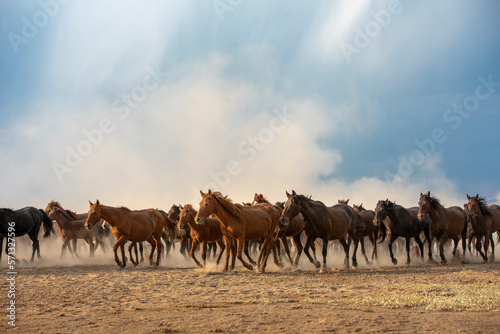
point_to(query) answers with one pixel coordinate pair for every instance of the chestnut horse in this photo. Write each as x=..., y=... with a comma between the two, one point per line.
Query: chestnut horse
x=446, y=223
x=204, y=233
x=73, y=229
x=241, y=223
x=371, y=230
x=127, y=225
x=484, y=221
x=326, y=223
x=402, y=223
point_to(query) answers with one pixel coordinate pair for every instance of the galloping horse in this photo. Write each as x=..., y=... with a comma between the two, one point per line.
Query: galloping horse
x=371, y=230
x=241, y=223
x=127, y=225
x=27, y=220
x=73, y=229
x=445, y=222
x=204, y=233
x=403, y=223
x=326, y=223
x=484, y=221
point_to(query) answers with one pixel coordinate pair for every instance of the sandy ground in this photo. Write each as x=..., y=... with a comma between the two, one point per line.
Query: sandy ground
x=84, y=295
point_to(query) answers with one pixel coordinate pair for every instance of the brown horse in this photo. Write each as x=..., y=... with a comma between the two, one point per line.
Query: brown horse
x=326, y=223
x=72, y=229
x=293, y=229
x=204, y=233
x=484, y=220
x=371, y=230
x=446, y=223
x=241, y=223
x=127, y=225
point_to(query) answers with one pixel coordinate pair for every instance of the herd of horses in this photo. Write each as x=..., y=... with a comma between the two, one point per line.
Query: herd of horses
x=236, y=228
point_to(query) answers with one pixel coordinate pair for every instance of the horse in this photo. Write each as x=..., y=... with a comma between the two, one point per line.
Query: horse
x=326, y=223
x=403, y=223
x=241, y=223
x=293, y=229
x=72, y=229
x=28, y=220
x=483, y=220
x=204, y=233
x=371, y=230
x=446, y=223
x=127, y=225
x=184, y=233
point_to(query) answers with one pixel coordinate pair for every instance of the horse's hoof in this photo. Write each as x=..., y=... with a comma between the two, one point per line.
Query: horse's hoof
x=355, y=264
x=250, y=267
x=394, y=261
x=407, y=263
x=317, y=264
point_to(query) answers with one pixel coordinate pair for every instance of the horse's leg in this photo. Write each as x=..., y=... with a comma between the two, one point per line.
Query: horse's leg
x=407, y=244
x=441, y=243
x=133, y=245
x=298, y=245
x=420, y=245
x=120, y=243
x=324, y=253
x=270, y=246
x=277, y=261
x=222, y=248
x=141, y=250
x=204, y=245
x=34, y=245
x=239, y=254
x=92, y=247
x=64, y=246
x=478, y=249
x=262, y=249
x=492, y=243
x=73, y=241
x=309, y=242
x=194, y=247
x=374, y=246
x=391, y=241
x=233, y=253
x=346, y=247
x=486, y=246
x=247, y=253
x=287, y=250
x=228, y=242
x=455, y=246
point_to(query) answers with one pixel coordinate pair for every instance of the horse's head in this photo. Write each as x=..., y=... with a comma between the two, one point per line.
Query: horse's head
x=473, y=207
x=207, y=206
x=343, y=201
x=94, y=215
x=259, y=198
x=187, y=214
x=292, y=209
x=358, y=208
x=174, y=212
x=424, y=205
x=381, y=211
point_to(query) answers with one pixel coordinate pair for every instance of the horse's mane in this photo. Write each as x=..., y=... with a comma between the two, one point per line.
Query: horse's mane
x=8, y=209
x=309, y=199
x=483, y=206
x=124, y=208
x=72, y=214
x=189, y=207
x=228, y=205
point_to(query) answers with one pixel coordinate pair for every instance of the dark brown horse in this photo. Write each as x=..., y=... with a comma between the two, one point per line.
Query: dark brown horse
x=484, y=220
x=371, y=230
x=72, y=229
x=402, y=223
x=446, y=223
x=204, y=233
x=293, y=229
x=241, y=223
x=326, y=223
x=127, y=225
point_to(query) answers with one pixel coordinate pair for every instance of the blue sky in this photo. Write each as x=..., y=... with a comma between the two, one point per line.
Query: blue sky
x=245, y=97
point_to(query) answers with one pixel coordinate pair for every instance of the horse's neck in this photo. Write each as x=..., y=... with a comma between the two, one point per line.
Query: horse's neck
x=111, y=215
x=307, y=207
x=224, y=216
x=437, y=213
x=395, y=214
x=191, y=221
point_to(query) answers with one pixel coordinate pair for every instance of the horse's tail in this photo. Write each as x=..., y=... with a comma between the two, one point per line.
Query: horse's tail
x=48, y=227
x=383, y=232
x=170, y=225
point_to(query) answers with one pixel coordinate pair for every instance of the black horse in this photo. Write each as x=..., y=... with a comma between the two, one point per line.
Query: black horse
x=403, y=223
x=27, y=220
x=326, y=223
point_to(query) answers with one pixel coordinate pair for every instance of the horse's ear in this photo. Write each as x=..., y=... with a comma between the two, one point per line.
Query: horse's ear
x=428, y=194
x=361, y=205
x=90, y=203
x=387, y=201
x=347, y=202
x=97, y=202
x=288, y=195
x=209, y=192
x=468, y=197
x=180, y=206
x=477, y=196
x=294, y=193
x=202, y=194
x=421, y=195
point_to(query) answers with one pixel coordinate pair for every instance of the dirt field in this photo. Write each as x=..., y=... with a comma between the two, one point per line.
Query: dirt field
x=94, y=296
